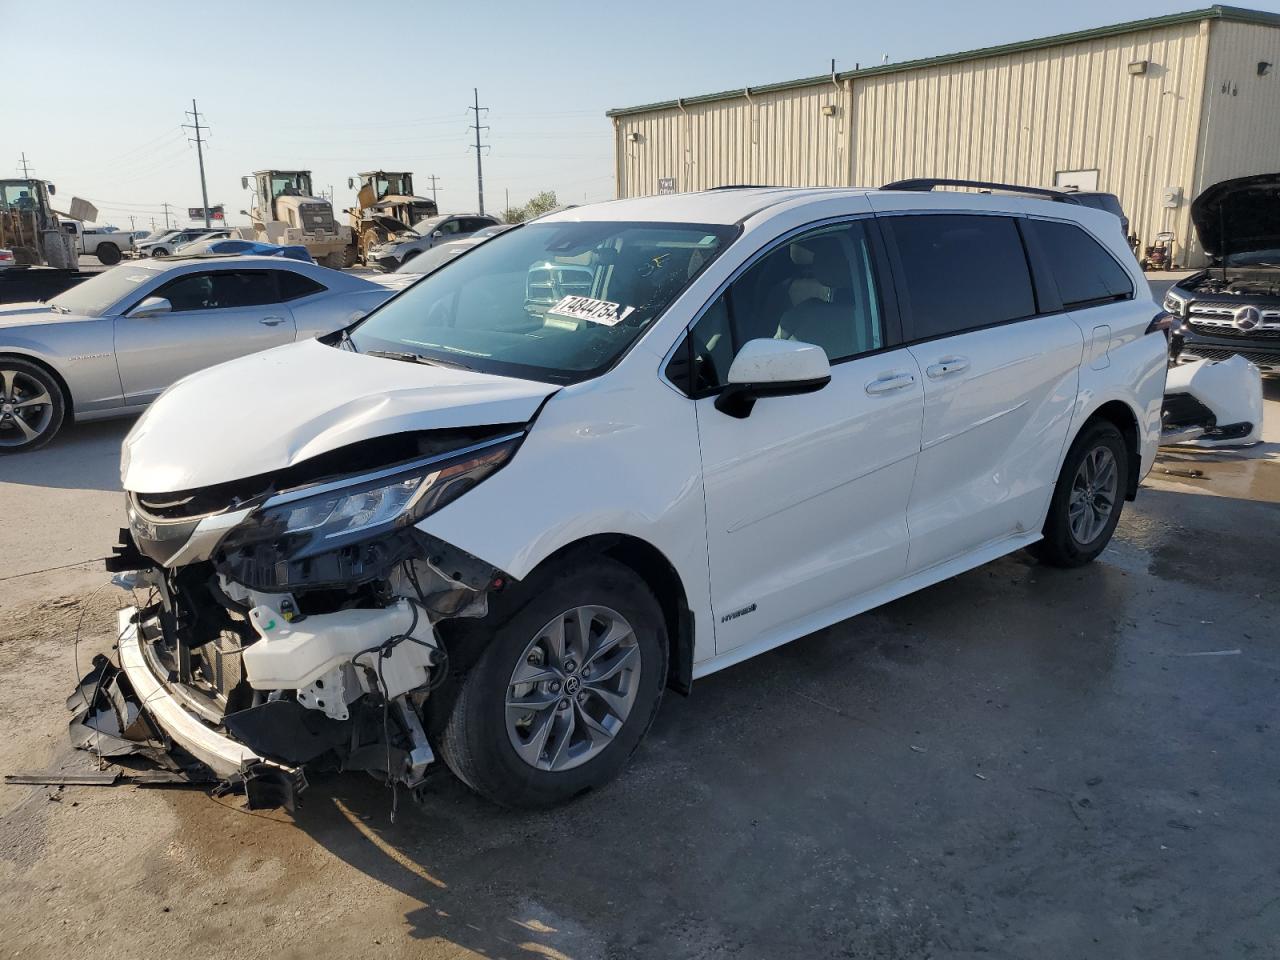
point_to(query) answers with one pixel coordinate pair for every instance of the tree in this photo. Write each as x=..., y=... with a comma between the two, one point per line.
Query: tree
x=544, y=202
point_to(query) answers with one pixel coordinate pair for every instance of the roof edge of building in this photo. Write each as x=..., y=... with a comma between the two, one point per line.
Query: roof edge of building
x=1216, y=12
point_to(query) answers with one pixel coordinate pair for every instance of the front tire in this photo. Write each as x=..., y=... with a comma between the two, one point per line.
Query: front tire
x=565, y=690
x=1088, y=498
x=108, y=254
x=32, y=406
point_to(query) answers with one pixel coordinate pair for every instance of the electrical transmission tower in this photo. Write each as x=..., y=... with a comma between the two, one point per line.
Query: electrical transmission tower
x=478, y=147
x=194, y=114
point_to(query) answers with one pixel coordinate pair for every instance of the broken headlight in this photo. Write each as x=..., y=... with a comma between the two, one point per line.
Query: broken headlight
x=319, y=519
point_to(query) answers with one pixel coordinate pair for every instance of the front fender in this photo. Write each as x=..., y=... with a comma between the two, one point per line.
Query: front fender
x=601, y=458
x=84, y=359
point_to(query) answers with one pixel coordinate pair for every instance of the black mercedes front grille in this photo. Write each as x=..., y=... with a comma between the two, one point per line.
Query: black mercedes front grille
x=1262, y=359
x=1207, y=330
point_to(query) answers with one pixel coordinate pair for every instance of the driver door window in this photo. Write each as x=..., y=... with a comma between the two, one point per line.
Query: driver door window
x=818, y=288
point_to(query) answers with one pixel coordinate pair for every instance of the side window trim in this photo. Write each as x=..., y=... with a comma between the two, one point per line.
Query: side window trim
x=891, y=319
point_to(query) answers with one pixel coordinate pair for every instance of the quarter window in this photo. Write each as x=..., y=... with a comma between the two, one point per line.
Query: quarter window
x=295, y=285
x=1086, y=273
x=960, y=272
x=818, y=288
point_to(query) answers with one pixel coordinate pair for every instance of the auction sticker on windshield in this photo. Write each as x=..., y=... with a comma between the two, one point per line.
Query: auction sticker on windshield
x=591, y=310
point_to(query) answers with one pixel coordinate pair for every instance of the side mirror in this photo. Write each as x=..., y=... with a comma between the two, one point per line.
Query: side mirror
x=438, y=235
x=351, y=183
x=52, y=189
x=151, y=307
x=244, y=183
x=244, y=213
x=772, y=368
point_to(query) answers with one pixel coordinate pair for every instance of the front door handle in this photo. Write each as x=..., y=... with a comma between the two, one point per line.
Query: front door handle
x=271, y=321
x=889, y=382
x=946, y=367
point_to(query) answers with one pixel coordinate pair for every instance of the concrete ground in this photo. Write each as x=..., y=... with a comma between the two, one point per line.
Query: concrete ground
x=1020, y=762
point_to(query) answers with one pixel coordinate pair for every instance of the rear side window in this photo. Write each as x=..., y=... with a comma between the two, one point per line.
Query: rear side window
x=295, y=285
x=1086, y=273
x=960, y=272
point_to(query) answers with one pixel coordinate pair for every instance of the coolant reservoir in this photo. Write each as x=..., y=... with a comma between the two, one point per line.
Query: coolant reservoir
x=293, y=655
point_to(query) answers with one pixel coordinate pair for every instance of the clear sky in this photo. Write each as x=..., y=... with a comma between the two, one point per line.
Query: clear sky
x=97, y=90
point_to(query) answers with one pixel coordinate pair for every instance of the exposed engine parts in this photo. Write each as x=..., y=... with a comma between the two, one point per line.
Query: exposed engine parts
x=310, y=673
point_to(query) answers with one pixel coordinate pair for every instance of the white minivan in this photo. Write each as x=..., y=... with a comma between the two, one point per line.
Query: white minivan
x=608, y=453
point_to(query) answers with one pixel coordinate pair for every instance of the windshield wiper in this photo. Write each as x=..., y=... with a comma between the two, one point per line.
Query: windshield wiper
x=415, y=358
x=395, y=355
x=58, y=308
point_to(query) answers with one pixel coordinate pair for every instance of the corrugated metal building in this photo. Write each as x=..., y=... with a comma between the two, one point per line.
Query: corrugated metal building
x=1151, y=110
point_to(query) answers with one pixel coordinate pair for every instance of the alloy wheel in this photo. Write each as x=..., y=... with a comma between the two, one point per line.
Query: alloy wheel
x=1093, y=495
x=573, y=688
x=26, y=408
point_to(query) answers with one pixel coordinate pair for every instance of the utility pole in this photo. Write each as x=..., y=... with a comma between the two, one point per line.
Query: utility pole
x=477, y=128
x=433, y=178
x=25, y=175
x=194, y=113
x=166, y=206
x=132, y=225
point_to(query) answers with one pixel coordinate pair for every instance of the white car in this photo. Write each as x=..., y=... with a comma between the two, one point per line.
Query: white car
x=404, y=246
x=611, y=452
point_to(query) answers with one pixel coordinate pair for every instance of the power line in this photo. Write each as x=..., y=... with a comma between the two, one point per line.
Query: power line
x=479, y=150
x=194, y=113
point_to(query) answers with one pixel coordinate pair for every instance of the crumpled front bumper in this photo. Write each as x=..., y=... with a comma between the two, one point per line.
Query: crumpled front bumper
x=141, y=715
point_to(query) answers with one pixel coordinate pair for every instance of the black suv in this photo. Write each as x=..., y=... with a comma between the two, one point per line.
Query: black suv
x=1234, y=306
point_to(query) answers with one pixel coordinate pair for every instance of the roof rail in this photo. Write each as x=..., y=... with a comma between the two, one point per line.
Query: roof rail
x=744, y=186
x=928, y=183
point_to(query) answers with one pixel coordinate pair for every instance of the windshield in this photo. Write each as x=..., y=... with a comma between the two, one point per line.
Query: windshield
x=290, y=185
x=423, y=228
x=21, y=195
x=557, y=302
x=95, y=296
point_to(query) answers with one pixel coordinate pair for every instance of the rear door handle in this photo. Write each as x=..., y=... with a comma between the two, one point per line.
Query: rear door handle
x=946, y=367
x=271, y=321
x=889, y=383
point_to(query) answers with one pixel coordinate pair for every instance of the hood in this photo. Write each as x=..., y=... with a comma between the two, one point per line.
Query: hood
x=271, y=410
x=30, y=313
x=1239, y=216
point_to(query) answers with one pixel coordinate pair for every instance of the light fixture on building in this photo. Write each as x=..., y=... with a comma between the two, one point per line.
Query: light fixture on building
x=633, y=136
x=1263, y=68
x=829, y=110
x=1139, y=67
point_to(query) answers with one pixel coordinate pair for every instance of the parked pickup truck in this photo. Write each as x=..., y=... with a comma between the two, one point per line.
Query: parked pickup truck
x=107, y=243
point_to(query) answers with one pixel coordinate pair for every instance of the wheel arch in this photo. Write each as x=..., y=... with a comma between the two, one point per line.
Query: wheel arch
x=68, y=402
x=1120, y=415
x=660, y=575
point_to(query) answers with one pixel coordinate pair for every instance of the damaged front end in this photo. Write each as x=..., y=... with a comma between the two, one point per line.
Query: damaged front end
x=291, y=620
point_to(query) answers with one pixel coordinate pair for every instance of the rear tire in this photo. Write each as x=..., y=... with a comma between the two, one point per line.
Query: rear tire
x=27, y=423
x=108, y=254
x=598, y=705
x=1088, y=498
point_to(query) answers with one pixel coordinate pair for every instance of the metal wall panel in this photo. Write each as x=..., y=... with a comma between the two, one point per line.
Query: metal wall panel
x=1240, y=125
x=776, y=138
x=1021, y=118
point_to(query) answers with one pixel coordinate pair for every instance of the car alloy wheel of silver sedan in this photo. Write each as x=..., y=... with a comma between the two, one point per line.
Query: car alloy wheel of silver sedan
x=26, y=409
x=573, y=688
x=1093, y=495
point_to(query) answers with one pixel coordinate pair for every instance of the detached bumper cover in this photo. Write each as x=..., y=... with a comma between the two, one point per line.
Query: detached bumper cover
x=127, y=710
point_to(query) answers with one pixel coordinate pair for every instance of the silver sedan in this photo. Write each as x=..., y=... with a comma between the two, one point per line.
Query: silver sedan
x=109, y=346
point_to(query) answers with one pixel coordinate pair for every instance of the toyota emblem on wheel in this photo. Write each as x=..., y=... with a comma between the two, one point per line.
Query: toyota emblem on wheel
x=1246, y=318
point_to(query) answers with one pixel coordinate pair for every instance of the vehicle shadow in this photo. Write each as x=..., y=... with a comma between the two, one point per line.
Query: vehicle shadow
x=758, y=803
x=83, y=456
